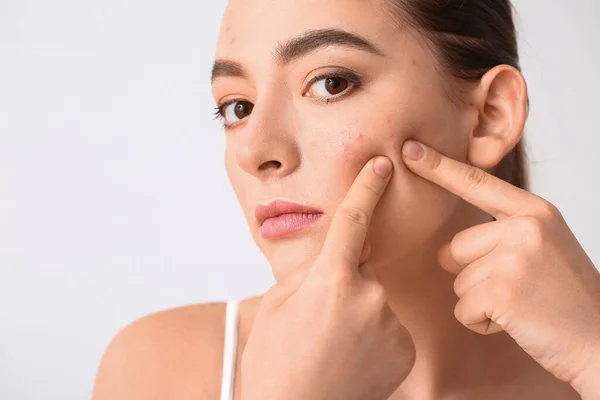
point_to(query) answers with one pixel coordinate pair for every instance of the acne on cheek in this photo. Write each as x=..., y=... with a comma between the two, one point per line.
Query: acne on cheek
x=352, y=141
x=358, y=146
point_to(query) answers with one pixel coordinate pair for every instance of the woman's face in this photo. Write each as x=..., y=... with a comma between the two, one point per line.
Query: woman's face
x=320, y=87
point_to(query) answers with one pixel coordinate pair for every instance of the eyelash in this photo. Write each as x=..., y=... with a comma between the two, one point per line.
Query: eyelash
x=218, y=111
x=354, y=82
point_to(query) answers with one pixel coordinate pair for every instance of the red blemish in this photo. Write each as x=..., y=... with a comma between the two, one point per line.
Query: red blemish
x=352, y=141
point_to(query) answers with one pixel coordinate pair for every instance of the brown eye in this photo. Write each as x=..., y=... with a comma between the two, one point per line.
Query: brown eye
x=235, y=110
x=331, y=87
x=335, y=85
x=243, y=109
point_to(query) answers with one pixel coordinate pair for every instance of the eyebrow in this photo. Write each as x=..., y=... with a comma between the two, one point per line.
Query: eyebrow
x=300, y=46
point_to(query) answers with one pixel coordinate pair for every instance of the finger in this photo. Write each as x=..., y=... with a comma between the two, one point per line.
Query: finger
x=474, y=274
x=284, y=289
x=347, y=233
x=291, y=279
x=474, y=311
x=447, y=260
x=470, y=245
x=485, y=191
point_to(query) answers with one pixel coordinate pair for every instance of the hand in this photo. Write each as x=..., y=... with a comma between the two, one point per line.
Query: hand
x=328, y=332
x=524, y=273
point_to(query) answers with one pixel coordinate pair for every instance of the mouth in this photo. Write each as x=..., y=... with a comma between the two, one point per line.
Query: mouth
x=281, y=218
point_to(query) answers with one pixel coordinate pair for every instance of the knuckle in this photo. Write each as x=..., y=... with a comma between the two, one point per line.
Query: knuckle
x=475, y=178
x=533, y=231
x=548, y=210
x=356, y=216
x=377, y=296
x=376, y=311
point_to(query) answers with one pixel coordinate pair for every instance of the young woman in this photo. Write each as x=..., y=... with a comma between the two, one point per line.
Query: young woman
x=375, y=148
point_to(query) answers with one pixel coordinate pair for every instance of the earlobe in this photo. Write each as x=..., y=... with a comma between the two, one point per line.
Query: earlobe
x=502, y=104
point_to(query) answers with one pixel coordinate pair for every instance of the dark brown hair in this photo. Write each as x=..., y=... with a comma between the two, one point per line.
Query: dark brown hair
x=468, y=38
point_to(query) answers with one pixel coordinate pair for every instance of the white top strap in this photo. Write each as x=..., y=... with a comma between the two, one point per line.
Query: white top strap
x=229, y=353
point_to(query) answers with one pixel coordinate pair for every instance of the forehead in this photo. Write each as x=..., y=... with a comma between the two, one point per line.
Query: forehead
x=254, y=27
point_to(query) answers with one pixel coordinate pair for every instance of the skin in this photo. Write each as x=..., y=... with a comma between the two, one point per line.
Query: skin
x=437, y=278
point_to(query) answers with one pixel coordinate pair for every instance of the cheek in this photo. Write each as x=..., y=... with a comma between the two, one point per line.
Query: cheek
x=357, y=147
x=233, y=172
x=241, y=184
x=352, y=141
x=412, y=210
x=443, y=128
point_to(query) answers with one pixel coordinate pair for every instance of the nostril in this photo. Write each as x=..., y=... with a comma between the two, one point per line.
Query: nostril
x=273, y=164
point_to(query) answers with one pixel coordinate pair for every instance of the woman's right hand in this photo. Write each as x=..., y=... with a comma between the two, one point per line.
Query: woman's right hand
x=328, y=332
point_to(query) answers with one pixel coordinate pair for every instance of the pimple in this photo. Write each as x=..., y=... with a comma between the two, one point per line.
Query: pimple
x=352, y=142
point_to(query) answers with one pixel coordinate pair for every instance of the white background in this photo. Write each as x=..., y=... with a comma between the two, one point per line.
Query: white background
x=114, y=202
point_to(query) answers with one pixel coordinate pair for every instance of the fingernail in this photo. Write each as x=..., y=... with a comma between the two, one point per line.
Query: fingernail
x=412, y=150
x=382, y=167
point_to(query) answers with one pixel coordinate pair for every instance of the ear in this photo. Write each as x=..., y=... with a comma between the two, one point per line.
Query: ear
x=501, y=101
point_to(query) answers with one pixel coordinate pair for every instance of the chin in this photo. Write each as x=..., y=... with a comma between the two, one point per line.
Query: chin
x=288, y=254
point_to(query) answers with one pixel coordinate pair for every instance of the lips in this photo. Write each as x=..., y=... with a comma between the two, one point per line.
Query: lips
x=280, y=218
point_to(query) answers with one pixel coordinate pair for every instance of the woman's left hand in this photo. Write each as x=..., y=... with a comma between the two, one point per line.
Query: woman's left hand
x=524, y=273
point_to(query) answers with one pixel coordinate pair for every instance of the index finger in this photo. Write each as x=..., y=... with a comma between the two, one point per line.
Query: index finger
x=348, y=231
x=485, y=191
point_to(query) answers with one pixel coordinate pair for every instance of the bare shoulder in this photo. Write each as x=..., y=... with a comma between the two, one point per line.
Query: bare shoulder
x=172, y=354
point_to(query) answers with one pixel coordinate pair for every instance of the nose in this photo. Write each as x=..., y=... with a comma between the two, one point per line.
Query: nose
x=268, y=149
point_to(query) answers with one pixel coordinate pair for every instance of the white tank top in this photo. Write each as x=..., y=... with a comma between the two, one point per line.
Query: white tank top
x=229, y=351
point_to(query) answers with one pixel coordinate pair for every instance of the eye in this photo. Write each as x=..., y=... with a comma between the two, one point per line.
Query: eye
x=333, y=85
x=234, y=111
x=328, y=86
